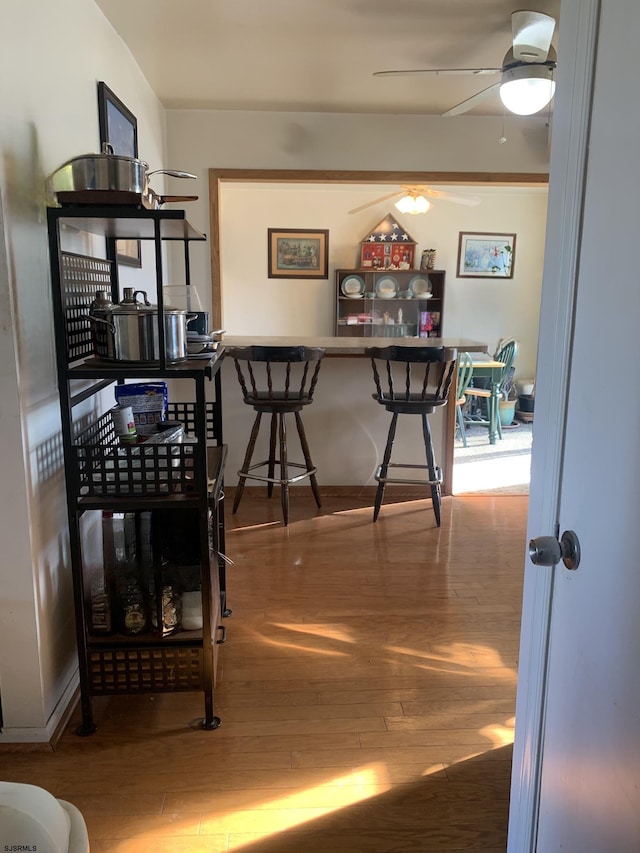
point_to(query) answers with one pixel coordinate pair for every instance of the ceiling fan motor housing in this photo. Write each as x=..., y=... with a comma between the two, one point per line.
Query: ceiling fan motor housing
x=511, y=61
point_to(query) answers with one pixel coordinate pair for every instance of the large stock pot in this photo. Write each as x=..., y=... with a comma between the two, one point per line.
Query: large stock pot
x=128, y=331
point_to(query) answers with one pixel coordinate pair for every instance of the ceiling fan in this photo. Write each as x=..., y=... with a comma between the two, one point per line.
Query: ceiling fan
x=526, y=84
x=415, y=199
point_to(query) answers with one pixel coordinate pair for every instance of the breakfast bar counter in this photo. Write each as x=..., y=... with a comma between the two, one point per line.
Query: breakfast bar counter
x=352, y=346
x=345, y=428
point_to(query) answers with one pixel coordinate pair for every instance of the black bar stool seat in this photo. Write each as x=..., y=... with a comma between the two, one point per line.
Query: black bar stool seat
x=278, y=381
x=411, y=381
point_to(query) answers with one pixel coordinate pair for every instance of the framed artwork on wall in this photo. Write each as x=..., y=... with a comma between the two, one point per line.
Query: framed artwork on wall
x=486, y=255
x=119, y=129
x=298, y=253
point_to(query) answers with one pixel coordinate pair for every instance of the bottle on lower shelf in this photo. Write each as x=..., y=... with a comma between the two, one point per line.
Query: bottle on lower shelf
x=171, y=609
x=100, y=619
x=192, y=610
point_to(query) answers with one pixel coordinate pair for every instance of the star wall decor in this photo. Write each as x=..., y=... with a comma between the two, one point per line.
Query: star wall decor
x=384, y=255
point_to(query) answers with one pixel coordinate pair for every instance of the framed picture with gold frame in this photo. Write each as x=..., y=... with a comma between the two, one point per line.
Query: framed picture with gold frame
x=298, y=253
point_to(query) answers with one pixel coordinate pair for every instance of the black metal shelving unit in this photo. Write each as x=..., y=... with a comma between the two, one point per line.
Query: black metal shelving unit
x=102, y=474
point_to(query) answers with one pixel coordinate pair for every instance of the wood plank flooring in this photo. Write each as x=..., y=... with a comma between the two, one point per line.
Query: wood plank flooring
x=367, y=693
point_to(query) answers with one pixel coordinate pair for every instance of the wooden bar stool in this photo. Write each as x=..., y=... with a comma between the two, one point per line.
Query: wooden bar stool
x=417, y=383
x=277, y=381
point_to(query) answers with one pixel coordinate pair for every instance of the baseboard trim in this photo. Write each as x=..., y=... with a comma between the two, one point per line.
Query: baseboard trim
x=45, y=738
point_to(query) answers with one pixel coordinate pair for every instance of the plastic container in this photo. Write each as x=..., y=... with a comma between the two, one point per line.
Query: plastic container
x=526, y=402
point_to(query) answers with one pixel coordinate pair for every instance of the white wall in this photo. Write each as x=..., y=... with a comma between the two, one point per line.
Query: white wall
x=51, y=57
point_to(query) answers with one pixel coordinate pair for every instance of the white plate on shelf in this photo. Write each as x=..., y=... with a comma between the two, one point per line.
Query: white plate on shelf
x=352, y=286
x=421, y=287
x=387, y=287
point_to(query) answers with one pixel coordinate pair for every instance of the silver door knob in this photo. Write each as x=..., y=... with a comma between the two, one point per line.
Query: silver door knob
x=548, y=551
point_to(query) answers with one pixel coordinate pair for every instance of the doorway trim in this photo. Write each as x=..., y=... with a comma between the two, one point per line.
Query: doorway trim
x=570, y=146
x=336, y=176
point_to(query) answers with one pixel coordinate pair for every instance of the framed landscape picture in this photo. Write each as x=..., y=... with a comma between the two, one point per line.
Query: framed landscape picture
x=486, y=255
x=296, y=253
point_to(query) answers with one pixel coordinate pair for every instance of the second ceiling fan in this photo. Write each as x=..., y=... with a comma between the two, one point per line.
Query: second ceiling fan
x=416, y=199
x=526, y=81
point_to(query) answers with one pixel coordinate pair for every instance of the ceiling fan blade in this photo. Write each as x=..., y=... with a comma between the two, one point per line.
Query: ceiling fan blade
x=532, y=34
x=445, y=195
x=478, y=72
x=465, y=106
x=376, y=201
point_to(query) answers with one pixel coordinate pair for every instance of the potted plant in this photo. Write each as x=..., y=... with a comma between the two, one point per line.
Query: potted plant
x=507, y=403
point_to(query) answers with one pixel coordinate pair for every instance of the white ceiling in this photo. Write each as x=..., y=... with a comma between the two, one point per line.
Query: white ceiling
x=317, y=55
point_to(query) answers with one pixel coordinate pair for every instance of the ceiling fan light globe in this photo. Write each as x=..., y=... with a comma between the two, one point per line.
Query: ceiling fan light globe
x=527, y=90
x=413, y=204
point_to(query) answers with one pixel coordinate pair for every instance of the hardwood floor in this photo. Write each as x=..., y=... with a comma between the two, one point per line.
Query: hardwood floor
x=366, y=690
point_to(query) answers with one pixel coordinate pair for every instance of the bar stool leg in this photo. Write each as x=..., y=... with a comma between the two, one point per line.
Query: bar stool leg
x=272, y=452
x=385, y=465
x=247, y=461
x=284, y=470
x=435, y=487
x=307, y=458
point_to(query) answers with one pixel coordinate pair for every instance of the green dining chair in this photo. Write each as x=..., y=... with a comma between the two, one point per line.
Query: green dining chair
x=465, y=372
x=507, y=354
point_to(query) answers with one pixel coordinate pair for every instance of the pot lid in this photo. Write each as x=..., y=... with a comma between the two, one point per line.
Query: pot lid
x=131, y=305
x=107, y=153
x=133, y=308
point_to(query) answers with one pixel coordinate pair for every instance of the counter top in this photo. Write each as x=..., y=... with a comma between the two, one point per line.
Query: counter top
x=351, y=346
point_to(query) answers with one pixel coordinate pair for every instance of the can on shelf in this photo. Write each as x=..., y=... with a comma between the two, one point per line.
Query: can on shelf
x=124, y=423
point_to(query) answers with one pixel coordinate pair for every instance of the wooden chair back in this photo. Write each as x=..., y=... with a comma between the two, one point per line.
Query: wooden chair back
x=412, y=379
x=465, y=373
x=276, y=378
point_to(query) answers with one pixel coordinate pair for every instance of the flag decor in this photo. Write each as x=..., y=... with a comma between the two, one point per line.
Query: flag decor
x=387, y=247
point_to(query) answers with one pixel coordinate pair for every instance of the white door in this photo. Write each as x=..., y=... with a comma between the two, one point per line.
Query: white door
x=576, y=781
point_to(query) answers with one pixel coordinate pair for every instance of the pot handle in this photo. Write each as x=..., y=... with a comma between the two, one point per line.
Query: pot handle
x=92, y=319
x=107, y=148
x=144, y=295
x=172, y=173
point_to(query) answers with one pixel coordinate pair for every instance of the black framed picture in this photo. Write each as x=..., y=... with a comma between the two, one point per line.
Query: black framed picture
x=119, y=128
x=483, y=255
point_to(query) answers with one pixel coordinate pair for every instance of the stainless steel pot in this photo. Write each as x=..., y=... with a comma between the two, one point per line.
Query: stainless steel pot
x=107, y=171
x=129, y=331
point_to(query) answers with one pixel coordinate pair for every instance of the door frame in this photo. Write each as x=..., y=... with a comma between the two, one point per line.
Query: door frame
x=569, y=160
x=335, y=176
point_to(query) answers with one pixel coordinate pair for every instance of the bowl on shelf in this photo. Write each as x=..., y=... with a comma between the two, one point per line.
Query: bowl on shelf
x=387, y=287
